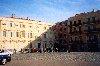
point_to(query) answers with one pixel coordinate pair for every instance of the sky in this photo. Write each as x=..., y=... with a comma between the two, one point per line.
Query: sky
x=50, y=11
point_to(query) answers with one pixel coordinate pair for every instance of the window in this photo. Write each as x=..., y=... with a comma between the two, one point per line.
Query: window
x=80, y=37
x=23, y=34
x=45, y=28
x=65, y=29
x=30, y=35
x=79, y=22
x=30, y=26
x=85, y=27
x=10, y=24
x=16, y=25
x=35, y=37
x=80, y=28
x=39, y=24
x=75, y=38
x=74, y=29
x=88, y=19
x=17, y=34
x=93, y=19
x=44, y=35
x=11, y=34
x=74, y=23
x=70, y=29
x=38, y=31
x=71, y=40
x=70, y=22
x=91, y=27
x=4, y=33
x=88, y=27
x=23, y=26
x=60, y=29
x=3, y=24
x=20, y=25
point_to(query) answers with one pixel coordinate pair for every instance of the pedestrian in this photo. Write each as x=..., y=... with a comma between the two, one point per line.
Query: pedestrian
x=15, y=51
x=21, y=50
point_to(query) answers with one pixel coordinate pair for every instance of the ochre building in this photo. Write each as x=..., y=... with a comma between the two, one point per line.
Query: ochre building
x=19, y=33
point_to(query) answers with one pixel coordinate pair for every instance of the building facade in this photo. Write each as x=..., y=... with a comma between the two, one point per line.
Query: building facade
x=83, y=31
x=60, y=32
x=19, y=33
x=79, y=33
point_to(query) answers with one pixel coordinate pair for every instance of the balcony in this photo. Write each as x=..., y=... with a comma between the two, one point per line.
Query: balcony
x=92, y=30
x=79, y=22
x=75, y=24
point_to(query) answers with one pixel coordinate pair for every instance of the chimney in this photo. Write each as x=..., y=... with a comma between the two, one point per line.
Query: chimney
x=13, y=16
x=93, y=10
x=27, y=18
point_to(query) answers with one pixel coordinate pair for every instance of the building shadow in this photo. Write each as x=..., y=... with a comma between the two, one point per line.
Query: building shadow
x=80, y=33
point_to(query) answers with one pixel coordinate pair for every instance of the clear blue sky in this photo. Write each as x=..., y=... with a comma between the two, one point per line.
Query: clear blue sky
x=47, y=10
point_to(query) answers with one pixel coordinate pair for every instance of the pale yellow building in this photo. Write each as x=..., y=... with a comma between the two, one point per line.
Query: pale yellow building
x=18, y=33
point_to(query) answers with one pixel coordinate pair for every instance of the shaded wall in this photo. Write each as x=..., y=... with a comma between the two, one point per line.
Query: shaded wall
x=79, y=33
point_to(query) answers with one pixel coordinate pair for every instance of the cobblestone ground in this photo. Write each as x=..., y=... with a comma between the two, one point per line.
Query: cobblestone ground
x=56, y=59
